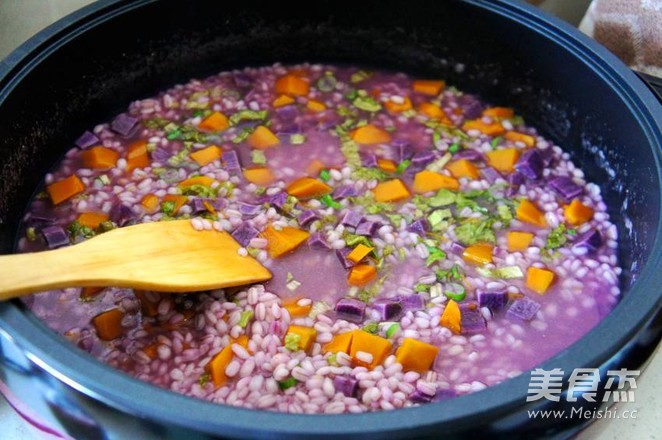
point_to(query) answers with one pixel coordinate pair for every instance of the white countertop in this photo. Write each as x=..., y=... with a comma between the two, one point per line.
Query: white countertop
x=19, y=19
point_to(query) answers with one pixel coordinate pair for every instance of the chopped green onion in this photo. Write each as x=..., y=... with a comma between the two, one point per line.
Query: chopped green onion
x=392, y=330
x=436, y=137
x=455, y=291
x=473, y=232
x=175, y=134
x=454, y=148
x=352, y=240
x=437, y=218
x=245, y=318
x=402, y=166
x=420, y=287
x=328, y=201
x=556, y=238
x=287, y=383
x=371, y=327
x=292, y=341
x=297, y=139
x=31, y=234
x=242, y=136
x=325, y=175
x=103, y=179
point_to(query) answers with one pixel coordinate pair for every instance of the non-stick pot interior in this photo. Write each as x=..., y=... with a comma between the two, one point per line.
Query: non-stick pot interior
x=90, y=70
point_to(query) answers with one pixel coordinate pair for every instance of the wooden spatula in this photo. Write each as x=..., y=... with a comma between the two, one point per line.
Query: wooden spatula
x=166, y=256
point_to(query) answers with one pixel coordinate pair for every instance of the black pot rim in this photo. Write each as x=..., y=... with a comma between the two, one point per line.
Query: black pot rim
x=103, y=383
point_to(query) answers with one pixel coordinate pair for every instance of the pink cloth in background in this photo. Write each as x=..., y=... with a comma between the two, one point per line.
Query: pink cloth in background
x=631, y=29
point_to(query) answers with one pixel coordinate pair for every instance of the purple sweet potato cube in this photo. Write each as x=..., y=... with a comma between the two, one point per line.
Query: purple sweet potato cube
x=124, y=124
x=347, y=385
x=565, y=187
x=351, y=219
x=530, y=164
x=55, y=236
x=367, y=228
x=87, y=140
x=317, y=241
x=472, y=320
x=342, y=257
x=524, y=309
x=244, y=233
x=307, y=217
x=350, y=309
x=388, y=309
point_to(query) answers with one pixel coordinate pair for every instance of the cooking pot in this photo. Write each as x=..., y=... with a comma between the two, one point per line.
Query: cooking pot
x=90, y=65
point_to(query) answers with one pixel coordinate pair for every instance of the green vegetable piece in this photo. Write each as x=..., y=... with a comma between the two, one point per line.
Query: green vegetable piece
x=420, y=287
x=175, y=134
x=505, y=213
x=31, y=234
x=247, y=115
x=402, y=166
x=326, y=83
x=367, y=103
x=325, y=175
x=455, y=291
x=297, y=139
x=371, y=327
x=292, y=341
x=328, y=201
x=245, y=318
x=435, y=255
x=472, y=232
x=556, y=238
x=106, y=226
x=454, y=148
x=444, y=197
x=333, y=360
x=242, y=135
x=508, y=272
x=258, y=157
x=496, y=142
x=392, y=330
x=438, y=219
x=204, y=379
x=360, y=76
x=287, y=383
x=440, y=163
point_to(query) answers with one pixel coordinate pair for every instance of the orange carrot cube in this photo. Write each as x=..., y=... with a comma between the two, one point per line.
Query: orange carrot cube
x=363, y=342
x=415, y=355
x=493, y=129
x=529, y=213
x=398, y=107
x=370, y=134
x=428, y=87
x=576, y=213
x=339, y=343
x=262, y=138
x=307, y=188
x=463, y=168
x=315, y=106
x=150, y=202
x=307, y=336
x=197, y=180
x=137, y=156
x=283, y=241
x=361, y=274
x=216, y=367
x=178, y=201
x=516, y=136
x=479, y=254
x=92, y=219
x=426, y=181
x=206, y=155
x=65, y=189
x=282, y=101
x=499, y=112
x=451, y=318
x=215, y=122
x=261, y=176
x=99, y=158
x=538, y=279
x=503, y=160
x=359, y=253
x=108, y=324
x=387, y=165
x=292, y=85
x=519, y=241
x=391, y=191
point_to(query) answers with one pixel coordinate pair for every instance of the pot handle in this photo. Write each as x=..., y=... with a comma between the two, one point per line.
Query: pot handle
x=654, y=83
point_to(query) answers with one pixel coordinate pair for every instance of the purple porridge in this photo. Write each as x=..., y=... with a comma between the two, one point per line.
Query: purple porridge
x=423, y=244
